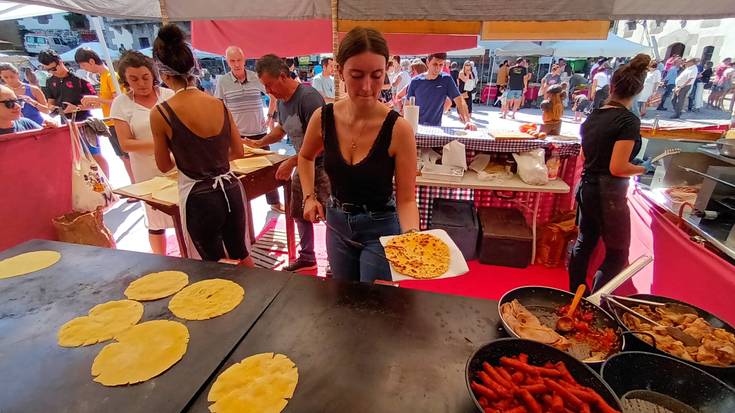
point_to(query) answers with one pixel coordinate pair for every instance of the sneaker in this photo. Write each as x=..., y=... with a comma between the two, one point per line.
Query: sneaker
x=300, y=265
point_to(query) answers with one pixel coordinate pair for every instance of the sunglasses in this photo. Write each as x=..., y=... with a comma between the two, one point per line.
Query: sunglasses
x=52, y=69
x=10, y=104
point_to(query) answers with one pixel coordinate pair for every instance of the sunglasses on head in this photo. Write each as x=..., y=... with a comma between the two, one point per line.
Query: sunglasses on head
x=10, y=103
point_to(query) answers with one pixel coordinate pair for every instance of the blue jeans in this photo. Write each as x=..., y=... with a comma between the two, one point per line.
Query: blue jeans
x=350, y=263
x=306, y=244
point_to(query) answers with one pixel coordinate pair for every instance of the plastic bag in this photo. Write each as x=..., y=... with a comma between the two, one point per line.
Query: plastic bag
x=553, y=239
x=494, y=173
x=532, y=167
x=454, y=154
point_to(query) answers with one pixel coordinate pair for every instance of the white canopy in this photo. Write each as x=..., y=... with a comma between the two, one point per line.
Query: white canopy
x=198, y=54
x=516, y=48
x=96, y=46
x=475, y=51
x=12, y=11
x=614, y=46
x=461, y=10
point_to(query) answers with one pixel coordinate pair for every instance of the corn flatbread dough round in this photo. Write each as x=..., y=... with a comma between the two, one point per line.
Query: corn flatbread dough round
x=27, y=263
x=141, y=353
x=258, y=384
x=206, y=299
x=418, y=255
x=103, y=322
x=156, y=285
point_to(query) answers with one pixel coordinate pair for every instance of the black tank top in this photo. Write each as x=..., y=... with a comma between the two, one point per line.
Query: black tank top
x=369, y=182
x=198, y=158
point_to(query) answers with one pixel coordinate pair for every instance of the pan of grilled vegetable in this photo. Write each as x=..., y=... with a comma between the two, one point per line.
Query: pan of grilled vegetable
x=678, y=329
x=542, y=314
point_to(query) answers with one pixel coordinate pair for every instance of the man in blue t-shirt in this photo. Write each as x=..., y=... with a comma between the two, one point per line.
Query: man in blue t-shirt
x=431, y=89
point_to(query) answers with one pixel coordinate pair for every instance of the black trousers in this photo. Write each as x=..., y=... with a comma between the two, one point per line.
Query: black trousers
x=272, y=197
x=212, y=225
x=602, y=212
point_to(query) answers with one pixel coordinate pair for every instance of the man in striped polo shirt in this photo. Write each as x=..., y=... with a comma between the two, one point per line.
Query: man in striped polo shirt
x=242, y=92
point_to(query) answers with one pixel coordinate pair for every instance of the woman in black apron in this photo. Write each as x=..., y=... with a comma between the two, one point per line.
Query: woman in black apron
x=611, y=138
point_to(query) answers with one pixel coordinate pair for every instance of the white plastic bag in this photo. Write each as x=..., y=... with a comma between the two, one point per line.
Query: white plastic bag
x=532, y=167
x=89, y=186
x=454, y=154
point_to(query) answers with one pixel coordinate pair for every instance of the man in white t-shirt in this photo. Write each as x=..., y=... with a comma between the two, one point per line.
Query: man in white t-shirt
x=683, y=85
x=324, y=82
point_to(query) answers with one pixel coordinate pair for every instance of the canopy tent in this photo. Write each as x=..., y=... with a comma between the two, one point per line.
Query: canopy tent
x=12, y=11
x=517, y=49
x=297, y=38
x=475, y=51
x=407, y=10
x=613, y=46
x=95, y=46
x=198, y=54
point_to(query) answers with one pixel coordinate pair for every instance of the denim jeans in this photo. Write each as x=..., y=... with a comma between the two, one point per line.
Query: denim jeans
x=667, y=93
x=350, y=263
x=306, y=243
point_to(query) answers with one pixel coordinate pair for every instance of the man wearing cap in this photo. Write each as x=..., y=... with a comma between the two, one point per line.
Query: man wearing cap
x=682, y=86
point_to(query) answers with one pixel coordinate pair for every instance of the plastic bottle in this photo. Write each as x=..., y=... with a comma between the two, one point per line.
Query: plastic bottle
x=554, y=163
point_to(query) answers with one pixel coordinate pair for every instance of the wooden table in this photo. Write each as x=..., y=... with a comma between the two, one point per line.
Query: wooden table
x=256, y=183
x=471, y=181
x=358, y=347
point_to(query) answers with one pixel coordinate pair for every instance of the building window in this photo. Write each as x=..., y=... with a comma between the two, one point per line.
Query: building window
x=144, y=42
x=707, y=53
x=43, y=19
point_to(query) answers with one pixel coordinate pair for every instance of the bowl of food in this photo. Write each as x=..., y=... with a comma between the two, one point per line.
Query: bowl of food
x=647, y=382
x=532, y=313
x=517, y=375
x=715, y=353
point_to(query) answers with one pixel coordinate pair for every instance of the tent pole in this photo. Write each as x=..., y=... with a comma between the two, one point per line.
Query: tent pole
x=97, y=21
x=335, y=47
x=164, y=12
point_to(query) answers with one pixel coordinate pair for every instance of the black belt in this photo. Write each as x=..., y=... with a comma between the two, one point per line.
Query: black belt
x=351, y=208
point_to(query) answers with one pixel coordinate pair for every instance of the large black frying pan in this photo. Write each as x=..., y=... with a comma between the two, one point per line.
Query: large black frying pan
x=726, y=374
x=538, y=354
x=659, y=379
x=543, y=303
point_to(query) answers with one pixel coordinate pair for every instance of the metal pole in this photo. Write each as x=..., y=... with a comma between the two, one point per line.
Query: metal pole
x=335, y=47
x=164, y=12
x=97, y=21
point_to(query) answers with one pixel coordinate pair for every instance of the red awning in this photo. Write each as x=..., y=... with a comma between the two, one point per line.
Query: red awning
x=304, y=37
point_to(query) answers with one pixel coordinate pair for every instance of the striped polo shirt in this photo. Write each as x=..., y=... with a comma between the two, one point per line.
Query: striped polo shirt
x=244, y=100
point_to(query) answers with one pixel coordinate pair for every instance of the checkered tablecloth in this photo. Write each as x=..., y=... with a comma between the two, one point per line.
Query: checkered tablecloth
x=549, y=204
x=438, y=136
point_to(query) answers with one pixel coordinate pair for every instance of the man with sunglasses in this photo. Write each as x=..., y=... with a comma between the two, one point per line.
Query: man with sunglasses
x=65, y=91
x=10, y=113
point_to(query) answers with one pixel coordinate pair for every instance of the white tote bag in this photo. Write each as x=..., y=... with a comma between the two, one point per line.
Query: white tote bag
x=89, y=186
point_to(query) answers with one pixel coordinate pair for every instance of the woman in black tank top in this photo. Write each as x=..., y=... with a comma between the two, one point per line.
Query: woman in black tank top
x=210, y=197
x=366, y=145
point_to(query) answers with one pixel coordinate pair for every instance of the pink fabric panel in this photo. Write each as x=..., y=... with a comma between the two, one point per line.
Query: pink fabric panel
x=303, y=37
x=35, y=169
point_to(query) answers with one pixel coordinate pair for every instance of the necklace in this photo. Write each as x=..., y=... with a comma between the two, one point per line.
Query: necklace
x=185, y=88
x=353, y=144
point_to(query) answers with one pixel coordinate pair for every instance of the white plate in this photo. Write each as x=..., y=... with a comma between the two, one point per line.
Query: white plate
x=457, y=264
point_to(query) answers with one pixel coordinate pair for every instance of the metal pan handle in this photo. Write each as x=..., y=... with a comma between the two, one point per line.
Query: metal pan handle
x=619, y=279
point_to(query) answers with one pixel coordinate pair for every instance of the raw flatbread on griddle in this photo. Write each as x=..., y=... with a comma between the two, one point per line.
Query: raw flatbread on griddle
x=418, y=255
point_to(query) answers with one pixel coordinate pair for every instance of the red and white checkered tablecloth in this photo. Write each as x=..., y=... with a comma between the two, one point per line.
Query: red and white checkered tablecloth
x=549, y=204
x=438, y=136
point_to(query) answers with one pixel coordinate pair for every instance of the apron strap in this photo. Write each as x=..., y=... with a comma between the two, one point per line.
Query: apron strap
x=218, y=181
